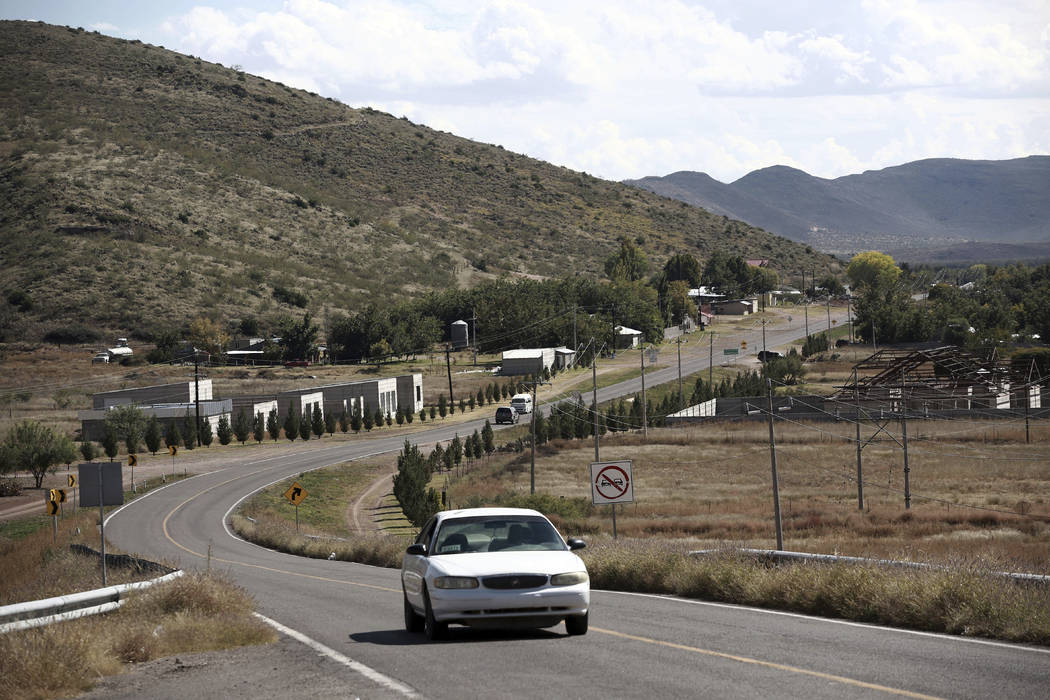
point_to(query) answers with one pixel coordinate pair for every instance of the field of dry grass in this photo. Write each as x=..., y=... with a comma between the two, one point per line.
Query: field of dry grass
x=978, y=491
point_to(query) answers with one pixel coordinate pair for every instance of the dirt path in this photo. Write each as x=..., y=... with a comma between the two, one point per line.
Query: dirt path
x=366, y=509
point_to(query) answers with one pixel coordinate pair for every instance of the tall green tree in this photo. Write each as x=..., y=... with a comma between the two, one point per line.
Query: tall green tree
x=242, y=427
x=305, y=425
x=273, y=424
x=36, y=448
x=488, y=438
x=110, y=442
x=628, y=263
x=224, y=431
x=152, y=436
x=317, y=422
x=88, y=451
x=205, y=431
x=259, y=427
x=190, y=430
x=291, y=422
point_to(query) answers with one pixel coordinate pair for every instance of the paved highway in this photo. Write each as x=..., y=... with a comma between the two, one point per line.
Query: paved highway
x=638, y=645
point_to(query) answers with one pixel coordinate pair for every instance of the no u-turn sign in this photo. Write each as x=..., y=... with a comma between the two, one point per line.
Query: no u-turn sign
x=611, y=482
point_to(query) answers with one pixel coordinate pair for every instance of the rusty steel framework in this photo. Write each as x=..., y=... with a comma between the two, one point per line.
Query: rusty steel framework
x=944, y=377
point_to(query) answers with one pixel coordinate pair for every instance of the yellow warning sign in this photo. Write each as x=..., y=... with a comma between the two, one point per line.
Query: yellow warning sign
x=295, y=494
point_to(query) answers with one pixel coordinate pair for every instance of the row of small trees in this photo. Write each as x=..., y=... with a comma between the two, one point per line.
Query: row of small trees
x=419, y=501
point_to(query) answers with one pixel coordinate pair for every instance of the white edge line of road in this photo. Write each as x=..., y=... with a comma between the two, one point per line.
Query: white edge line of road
x=847, y=623
x=366, y=671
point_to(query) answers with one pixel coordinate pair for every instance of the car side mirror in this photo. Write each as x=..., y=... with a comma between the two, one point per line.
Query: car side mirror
x=418, y=548
x=575, y=543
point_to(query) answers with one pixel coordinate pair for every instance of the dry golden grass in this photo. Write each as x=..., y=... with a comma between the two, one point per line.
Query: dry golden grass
x=196, y=612
x=976, y=488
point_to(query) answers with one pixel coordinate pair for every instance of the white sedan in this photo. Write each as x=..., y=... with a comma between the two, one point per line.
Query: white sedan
x=493, y=567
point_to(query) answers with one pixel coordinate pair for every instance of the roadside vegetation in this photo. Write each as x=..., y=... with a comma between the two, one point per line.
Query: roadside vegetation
x=200, y=611
x=708, y=488
x=195, y=612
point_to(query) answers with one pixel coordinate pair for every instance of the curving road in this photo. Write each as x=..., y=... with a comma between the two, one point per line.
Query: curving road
x=638, y=645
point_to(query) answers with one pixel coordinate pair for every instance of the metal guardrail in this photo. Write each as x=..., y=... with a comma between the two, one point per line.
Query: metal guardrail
x=781, y=555
x=36, y=613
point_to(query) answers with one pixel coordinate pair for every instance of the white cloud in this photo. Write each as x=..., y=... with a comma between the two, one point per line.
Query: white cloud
x=622, y=90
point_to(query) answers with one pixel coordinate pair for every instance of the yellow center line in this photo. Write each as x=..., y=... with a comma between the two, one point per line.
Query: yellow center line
x=167, y=535
x=623, y=635
x=768, y=664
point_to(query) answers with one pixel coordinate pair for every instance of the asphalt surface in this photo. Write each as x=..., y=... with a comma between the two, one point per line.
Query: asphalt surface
x=638, y=645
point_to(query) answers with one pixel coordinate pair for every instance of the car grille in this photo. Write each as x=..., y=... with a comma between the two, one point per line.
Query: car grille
x=512, y=582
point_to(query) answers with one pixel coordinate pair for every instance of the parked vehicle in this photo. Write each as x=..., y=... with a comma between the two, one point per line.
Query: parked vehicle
x=506, y=414
x=493, y=567
x=522, y=403
x=102, y=357
x=767, y=355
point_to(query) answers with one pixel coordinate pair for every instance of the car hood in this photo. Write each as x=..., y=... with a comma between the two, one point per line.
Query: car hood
x=491, y=563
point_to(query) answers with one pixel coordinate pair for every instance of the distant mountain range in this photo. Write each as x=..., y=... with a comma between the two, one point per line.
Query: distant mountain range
x=928, y=209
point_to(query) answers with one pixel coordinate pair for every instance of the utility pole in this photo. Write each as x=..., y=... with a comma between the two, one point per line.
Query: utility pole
x=681, y=396
x=532, y=468
x=829, y=321
x=711, y=360
x=448, y=365
x=645, y=419
x=763, y=337
x=197, y=395
x=474, y=329
x=849, y=315
x=904, y=436
x=860, y=471
x=773, y=463
x=575, y=346
x=594, y=393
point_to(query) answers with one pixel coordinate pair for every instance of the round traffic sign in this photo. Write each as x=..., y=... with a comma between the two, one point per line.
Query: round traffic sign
x=612, y=482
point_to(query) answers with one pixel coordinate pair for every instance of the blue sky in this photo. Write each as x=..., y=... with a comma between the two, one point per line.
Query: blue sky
x=622, y=89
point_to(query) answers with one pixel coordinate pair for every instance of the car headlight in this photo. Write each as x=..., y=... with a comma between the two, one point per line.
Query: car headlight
x=569, y=579
x=456, y=582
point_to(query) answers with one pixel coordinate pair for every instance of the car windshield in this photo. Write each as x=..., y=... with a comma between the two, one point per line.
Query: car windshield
x=518, y=533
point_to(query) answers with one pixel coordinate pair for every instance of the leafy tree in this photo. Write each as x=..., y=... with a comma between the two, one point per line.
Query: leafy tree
x=242, y=427
x=224, y=432
x=422, y=415
x=872, y=269
x=152, y=436
x=317, y=423
x=679, y=303
x=409, y=416
x=442, y=406
x=379, y=418
x=400, y=416
x=206, y=335
x=344, y=422
x=305, y=425
x=479, y=400
x=36, y=448
x=785, y=370
x=88, y=451
x=433, y=413
x=684, y=267
x=628, y=263
x=462, y=406
x=110, y=442
x=368, y=417
x=259, y=427
x=329, y=423
x=291, y=423
x=471, y=403
x=832, y=285
x=129, y=424
x=298, y=338
x=273, y=424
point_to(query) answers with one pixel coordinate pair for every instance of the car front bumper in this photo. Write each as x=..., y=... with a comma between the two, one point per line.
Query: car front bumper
x=541, y=607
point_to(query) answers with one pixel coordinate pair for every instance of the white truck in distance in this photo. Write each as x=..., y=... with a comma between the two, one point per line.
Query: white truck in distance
x=522, y=403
